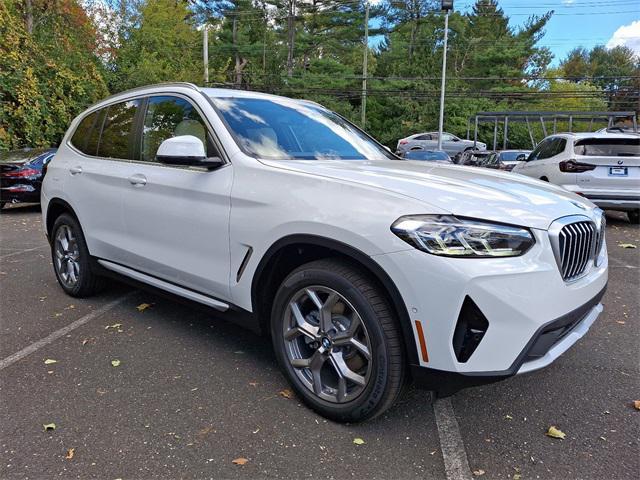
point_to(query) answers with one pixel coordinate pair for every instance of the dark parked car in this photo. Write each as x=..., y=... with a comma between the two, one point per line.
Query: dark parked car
x=505, y=160
x=21, y=174
x=427, y=155
x=474, y=158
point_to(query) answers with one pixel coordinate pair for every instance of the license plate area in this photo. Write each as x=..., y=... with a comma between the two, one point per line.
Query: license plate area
x=618, y=171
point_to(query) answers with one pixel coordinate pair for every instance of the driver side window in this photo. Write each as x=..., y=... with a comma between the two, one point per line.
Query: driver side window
x=168, y=117
x=538, y=152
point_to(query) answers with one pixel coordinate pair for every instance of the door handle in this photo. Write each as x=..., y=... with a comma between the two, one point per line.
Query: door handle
x=75, y=170
x=138, y=180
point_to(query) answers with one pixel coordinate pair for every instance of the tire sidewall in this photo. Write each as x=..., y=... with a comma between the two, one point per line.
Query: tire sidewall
x=365, y=404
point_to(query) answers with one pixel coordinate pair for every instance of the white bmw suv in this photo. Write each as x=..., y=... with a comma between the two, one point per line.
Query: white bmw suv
x=603, y=167
x=365, y=269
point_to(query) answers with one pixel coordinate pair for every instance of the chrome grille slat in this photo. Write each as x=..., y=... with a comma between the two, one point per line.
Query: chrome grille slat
x=576, y=246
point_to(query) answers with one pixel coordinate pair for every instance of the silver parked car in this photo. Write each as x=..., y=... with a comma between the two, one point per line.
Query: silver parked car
x=454, y=146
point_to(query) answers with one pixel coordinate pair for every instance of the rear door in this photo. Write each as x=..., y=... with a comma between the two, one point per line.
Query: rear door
x=177, y=218
x=102, y=146
x=616, y=163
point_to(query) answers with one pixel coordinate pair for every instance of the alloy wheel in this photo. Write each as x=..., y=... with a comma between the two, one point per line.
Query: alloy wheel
x=67, y=256
x=327, y=344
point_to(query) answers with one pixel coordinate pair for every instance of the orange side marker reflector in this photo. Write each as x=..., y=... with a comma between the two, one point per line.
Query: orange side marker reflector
x=423, y=344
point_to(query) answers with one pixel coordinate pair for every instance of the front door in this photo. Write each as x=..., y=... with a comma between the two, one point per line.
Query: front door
x=177, y=218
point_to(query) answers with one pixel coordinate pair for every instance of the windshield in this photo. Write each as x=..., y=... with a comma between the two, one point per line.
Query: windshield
x=282, y=129
x=512, y=156
x=608, y=147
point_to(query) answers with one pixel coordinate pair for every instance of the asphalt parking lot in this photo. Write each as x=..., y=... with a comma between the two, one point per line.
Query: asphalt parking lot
x=191, y=393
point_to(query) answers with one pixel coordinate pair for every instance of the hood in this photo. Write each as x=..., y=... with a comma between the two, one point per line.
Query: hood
x=463, y=191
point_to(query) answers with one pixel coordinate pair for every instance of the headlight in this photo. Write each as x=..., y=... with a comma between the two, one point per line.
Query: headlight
x=451, y=236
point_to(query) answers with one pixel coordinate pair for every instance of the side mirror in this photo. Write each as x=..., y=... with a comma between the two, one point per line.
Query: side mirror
x=186, y=150
x=455, y=139
x=521, y=158
x=387, y=149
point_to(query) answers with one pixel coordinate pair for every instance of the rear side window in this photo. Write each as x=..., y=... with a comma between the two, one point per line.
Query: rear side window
x=115, y=141
x=88, y=128
x=608, y=147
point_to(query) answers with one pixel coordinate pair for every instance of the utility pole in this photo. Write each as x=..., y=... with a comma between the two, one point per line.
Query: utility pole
x=365, y=61
x=446, y=6
x=291, y=36
x=205, y=53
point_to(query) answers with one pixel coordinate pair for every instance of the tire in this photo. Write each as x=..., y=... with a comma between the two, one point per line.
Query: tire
x=634, y=216
x=1, y=205
x=78, y=280
x=367, y=386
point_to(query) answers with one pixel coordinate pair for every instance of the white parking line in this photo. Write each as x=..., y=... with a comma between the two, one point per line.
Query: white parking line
x=456, y=465
x=7, y=255
x=620, y=263
x=11, y=359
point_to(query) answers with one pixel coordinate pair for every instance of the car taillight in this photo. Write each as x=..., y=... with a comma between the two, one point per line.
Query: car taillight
x=403, y=142
x=571, y=166
x=23, y=173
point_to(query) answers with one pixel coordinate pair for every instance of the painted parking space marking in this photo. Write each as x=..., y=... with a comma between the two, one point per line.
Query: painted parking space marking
x=20, y=252
x=11, y=359
x=456, y=464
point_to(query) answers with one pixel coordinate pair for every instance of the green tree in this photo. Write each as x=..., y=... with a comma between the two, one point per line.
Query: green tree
x=48, y=70
x=162, y=45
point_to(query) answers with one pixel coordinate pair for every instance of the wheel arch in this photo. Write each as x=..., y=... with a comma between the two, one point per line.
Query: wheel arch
x=55, y=208
x=289, y=252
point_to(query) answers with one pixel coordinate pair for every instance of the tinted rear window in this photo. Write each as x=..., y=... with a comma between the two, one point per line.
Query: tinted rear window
x=608, y=147
x=83, y=131
x=115, y=140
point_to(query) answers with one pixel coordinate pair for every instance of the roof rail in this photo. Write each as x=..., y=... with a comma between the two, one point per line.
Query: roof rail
x=144, y=87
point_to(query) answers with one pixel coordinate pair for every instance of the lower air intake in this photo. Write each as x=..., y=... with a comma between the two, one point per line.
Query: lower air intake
x=471, y=327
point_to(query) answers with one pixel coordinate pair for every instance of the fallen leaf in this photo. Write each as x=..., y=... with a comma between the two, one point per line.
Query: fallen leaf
x=517, y=476
x=50, y=361
x=115, y=363
x=620, y=322
x=508, y=417
x=479, y=472
x=253, y=384
x=143, y=306
x=49, y=426
x=627, y=245
x=358, y=441
x=636, y=404
x=286, y=393
x=115, y=325
x=553, y=432
x=70, y=453
x=239, y=461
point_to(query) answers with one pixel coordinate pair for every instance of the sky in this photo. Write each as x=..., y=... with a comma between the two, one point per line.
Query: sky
x=578, y=22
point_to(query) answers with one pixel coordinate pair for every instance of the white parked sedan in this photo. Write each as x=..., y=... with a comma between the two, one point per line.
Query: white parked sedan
x=603, y=167
x=365, y=269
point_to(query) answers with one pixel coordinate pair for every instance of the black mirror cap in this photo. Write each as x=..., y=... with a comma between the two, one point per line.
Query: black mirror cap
x=209, y=163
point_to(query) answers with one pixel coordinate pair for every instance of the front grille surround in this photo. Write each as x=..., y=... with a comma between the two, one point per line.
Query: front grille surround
x=576, y=242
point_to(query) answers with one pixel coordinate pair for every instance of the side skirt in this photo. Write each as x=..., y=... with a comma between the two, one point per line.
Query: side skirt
x=195, y=300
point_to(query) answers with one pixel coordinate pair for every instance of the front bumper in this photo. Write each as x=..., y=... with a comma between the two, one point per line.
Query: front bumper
x=533, y=314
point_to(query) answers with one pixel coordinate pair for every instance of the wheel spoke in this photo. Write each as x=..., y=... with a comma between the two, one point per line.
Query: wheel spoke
x=317, y=361
x=361, y=347
x=302, y=326
x=326, y=323
x=314, y=298
x=337, y=360
x=342, y=389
